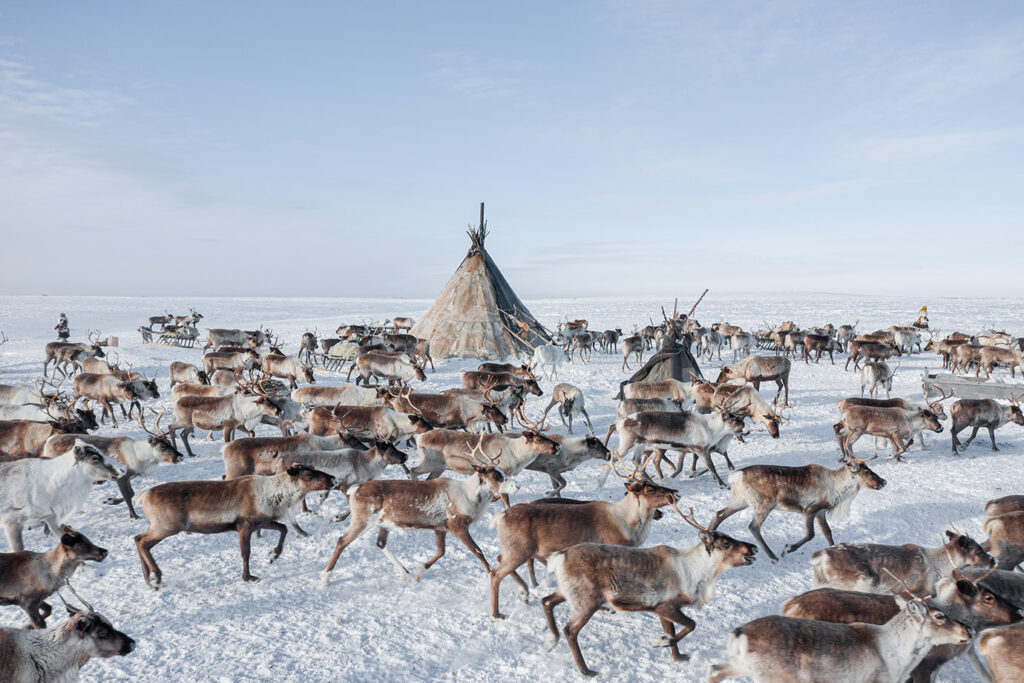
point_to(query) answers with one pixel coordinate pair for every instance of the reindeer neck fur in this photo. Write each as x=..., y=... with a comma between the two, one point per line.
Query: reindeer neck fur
x=937, y=565
x=469, y=496
x=60, y=563
x=632, y=517
x=67, y=484
x=276, y=495
x=58, y=651
x=902, y=645
x=842, y=488
x=698, y=573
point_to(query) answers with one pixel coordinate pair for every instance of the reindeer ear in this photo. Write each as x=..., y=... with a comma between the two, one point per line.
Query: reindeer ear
x=706, y=538
x=966, y=587
x=917, y=610
x=950, y=534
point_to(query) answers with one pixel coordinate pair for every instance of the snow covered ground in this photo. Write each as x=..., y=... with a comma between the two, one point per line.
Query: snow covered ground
x=205, y=624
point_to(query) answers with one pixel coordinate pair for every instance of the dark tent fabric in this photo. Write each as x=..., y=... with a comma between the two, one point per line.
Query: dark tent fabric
x=672, y=361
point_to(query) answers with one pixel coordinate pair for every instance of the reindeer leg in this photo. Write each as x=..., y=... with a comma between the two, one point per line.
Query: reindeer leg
x=809, y=527
x=382, y=543
x=734, y=506
x=532, y=573
x=283, y=531
x=826, y=530
x=572, y=630
x=461, y=532
x=558, y=483
x=671, y=615
x=755, y=529
x=549, y=602
x=706, y=457
x=992, y=436
x=439, y=536
x=245, y=545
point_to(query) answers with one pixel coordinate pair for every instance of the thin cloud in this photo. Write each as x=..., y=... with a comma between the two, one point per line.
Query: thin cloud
x=25, y=96
x=468, y=74
x=919, y=147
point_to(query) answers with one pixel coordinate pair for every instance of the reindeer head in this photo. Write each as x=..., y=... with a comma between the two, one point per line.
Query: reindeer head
x=730, y=552
x=596, y=449
x=95, y=462
x=975, y=597
x=309, y=479
x=392, y=456
x=963, y=552
x=866, y=477
x=81, y=548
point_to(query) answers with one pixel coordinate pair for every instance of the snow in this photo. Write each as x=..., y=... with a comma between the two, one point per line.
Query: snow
x=205, y=624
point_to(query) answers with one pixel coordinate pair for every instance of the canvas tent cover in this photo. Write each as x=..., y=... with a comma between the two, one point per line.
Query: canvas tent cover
x=477, y=314
x=672, y=361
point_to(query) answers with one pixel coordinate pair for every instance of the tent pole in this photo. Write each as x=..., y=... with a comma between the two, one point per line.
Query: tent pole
x=481, y=214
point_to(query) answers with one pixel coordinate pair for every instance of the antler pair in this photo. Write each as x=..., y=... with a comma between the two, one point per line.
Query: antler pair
x=159, y=416
x=477, y=452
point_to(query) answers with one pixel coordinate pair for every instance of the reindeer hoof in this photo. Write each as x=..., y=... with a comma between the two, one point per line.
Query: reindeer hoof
x=325, y=578
x=273, y=556
x=250, y=579
x=113, y=500
x=662, y=641
x=588, y=672
x=524, y=594
x=498, y=616
x=550, y=640
x=420, y=568
x=680, y=657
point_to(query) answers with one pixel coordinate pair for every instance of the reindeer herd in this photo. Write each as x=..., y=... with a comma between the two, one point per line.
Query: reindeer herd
x=876, y=612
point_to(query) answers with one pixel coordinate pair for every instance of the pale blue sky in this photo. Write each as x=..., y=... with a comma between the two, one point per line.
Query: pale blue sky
x=631, y=148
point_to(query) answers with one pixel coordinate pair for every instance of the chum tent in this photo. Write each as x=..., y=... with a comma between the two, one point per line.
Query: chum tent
x=477, y=314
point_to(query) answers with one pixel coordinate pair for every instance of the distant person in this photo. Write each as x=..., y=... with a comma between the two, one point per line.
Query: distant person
x=922, y=319
x=63, y=331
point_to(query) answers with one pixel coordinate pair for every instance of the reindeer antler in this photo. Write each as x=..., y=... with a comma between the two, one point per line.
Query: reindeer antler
x=477, y=452
x=906, y=588
x=159, y=416
x=71, y=588
x=932, y=404
x=691, y=519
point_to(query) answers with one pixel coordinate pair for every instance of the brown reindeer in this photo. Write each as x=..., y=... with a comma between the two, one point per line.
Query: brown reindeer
x=978, y=413
x=243, y=505
x=661, y=580
x=757, y=369
x=812, y=490
x=441, y=505
x=535, y=530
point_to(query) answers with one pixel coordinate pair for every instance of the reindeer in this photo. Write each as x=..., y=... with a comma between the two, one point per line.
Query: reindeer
x=944, y=348
x=661, y=580
x=59, y=652
x=632, y=346
x=710, y=343
x=234, y=361
x=978, y=413
x=572, y=451
x=874, y=568
x=26, y=438
x=548, y=356
x=569, y=400
x=225, y=413
x=964, y=357
x=682, y=431
x=898, y=425
x=138, y=457
x=288, y=367
x=394, y=369
x=812, y=490
x=742, y=343
x=845, y=334
x=62, y=354
x=444, y=449
x=671, y=389
x=107, y=390
x=583, y=344
x=819, y=344
x=535, y=530
x=50, y=491
x=875, y=376
x=757, y=369
x=27, y=578
x=402, y=323
x=307, y=346
x=243, y=505
x=481, y=381
x=610, y=340
x=188, y=374
x=366, y=422
x=1004, y=505
x=346, y=394
x=161, y=320
x=450, y=411
x=991, y=356
x=522, y=371
x=441, y=505
x=1003, y=650
x=784, y=648
x=861, y=349
x=1006, y=539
